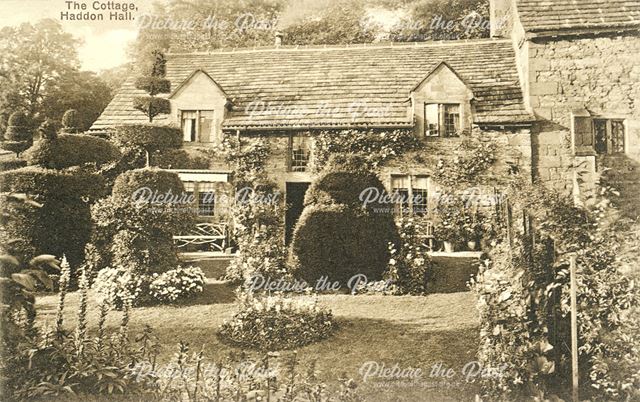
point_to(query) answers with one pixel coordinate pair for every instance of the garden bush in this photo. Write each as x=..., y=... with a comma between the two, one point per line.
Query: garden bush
x=276, y=322
x=177, y=284
x=160, y=181
x=71, y=122
x=336, y=236
x=19, y=134
x=147, y=138
x=410, y=265
x=63, y=224
x=179, y=159
x=12, y=164
x=69, y=150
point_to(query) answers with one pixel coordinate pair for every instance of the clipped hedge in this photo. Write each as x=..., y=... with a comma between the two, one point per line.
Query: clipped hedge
x=12, y=164
x=155, y=179
x=335, y=236
x=62, y=225
x=69, y=150
x=180, y=159
x=147, y=136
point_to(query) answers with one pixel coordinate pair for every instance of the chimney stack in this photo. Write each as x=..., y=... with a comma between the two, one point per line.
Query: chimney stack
x=500, y=12
x=279, y=36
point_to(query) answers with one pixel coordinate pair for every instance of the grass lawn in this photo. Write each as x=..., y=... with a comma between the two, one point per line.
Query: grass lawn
x=411, y=331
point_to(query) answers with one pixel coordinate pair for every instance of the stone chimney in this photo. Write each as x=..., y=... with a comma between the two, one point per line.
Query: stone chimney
x=279, y=36
x=501, y=14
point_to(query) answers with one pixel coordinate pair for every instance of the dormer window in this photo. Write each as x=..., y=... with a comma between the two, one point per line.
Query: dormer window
x=197, y=125
x=442, y=119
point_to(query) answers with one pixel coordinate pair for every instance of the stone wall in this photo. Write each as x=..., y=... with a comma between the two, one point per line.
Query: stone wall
x=598, y=73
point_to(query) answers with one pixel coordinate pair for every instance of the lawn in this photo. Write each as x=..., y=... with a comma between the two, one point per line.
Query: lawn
x=411, y=331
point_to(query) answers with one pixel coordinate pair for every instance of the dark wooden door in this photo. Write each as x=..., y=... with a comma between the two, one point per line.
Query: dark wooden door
x=295, y=204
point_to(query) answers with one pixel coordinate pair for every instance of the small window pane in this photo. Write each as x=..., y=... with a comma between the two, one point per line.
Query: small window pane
x=451, y=120
x=431, y=119
x=299, y=153
x=600, y=129
x=617, y=136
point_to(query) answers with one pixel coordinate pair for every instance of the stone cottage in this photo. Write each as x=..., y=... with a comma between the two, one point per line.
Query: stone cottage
x=557, y=85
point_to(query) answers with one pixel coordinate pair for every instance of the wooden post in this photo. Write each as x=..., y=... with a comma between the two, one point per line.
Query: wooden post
x=574, y=330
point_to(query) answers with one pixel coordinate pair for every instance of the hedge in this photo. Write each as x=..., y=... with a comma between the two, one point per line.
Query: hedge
x=179, y=159
x=335, y=236
x=12, y=164
x=62, y=225
x=148, y=136
x=158, y=180
x=340, y=242
x=69, y=150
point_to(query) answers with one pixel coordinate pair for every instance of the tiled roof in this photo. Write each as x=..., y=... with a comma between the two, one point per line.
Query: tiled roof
x=351, y=86
x=555, y=15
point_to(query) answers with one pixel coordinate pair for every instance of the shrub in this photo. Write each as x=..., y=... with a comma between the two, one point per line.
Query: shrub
x=177, y=284
x=48, y=130
x=116, y=285
x=63, y=224
x=71, y=122
x=276, y=323
x=179, y=159
x=410, y=264
x=12, y=164
x=18, y=136
x=336, y=235
x=148, y=138
x=72, y=150
x=159, y=180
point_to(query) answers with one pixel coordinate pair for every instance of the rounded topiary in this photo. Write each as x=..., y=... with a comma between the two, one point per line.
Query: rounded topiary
x=337, y=235
x=71, y=122
x=48, y=130
x=147, y=137
x=18, y=136
x=156, y=180
x=69, y=150
x=62, y=225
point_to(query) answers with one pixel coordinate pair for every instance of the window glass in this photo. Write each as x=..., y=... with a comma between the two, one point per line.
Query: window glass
x=617, y=136
x=206, y=126
x=189, y=126
x=431, y=119
x=419, y=193
x=206, y=199
x=451, y=120
x=299, y=153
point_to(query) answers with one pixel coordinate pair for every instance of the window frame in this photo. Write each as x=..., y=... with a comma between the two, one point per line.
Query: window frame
x=442, y=119
x=197, y=188
x=290, y=154
x=594, y=135
x=197, y=136
x=408, y=206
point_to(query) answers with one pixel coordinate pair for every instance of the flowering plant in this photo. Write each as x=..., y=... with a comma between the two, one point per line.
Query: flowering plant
x=176, y=284
x=409, y=264
x=277, y=322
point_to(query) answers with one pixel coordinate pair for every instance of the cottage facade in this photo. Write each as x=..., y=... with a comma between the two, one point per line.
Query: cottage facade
x=557, y=86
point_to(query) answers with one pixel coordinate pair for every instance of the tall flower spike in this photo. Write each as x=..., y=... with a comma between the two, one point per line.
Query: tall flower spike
x=65, y=275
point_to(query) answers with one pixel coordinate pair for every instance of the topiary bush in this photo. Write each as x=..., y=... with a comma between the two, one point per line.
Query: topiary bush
x=179, y=159
x=72, y=150
x=337, y=235
x=276, y=323
x=48, y=130
x=161, y=181
x=71, y=122
x=148, y=138
x=18, y=136
x=12, y=164
x=63, y=224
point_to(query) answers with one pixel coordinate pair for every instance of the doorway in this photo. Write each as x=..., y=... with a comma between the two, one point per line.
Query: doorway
x=295, y=204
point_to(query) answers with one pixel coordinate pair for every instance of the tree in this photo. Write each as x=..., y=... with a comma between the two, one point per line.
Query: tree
x=18, y=136
x=153, y=83
x=33, y=57
x=82, y=91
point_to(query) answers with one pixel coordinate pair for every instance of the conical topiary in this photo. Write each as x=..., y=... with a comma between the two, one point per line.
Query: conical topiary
x=18, y=136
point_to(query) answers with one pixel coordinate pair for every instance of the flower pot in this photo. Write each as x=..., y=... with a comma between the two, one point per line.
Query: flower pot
x=448, y=246
x=472, y=244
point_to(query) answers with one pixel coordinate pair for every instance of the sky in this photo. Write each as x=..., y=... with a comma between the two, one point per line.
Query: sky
x=104, y=43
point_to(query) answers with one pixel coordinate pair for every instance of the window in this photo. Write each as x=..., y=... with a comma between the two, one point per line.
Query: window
x=597, y=135
x=298, y=153
x=442, y=119
x=410, y=194
x=206, y=199
x=197, y=125
x=203, y=195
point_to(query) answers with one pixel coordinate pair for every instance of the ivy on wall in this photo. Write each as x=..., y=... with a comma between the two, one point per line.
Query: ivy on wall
x=376, y=146
x=247, y=157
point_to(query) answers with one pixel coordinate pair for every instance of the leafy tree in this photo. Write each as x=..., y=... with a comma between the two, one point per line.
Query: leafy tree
x=33, y=57
x=18, y=136
x=82, y=91
x=153, y=82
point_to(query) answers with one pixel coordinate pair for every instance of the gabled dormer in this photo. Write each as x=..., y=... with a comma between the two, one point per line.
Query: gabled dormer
x=442, y=103
x=198, y=106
